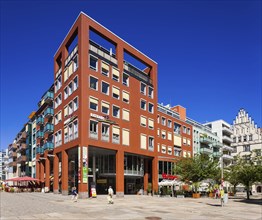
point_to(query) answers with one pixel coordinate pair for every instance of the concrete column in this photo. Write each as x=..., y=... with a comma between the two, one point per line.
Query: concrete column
x=145, y=176
x=56, y=174
x=64, y=173
x=94, y=169
x=37, y=168
x=120, y=173
x=47, y=174
x=155, y=174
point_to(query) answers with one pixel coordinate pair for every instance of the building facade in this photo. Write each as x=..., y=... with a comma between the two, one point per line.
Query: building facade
x=205, y=141
x=247, y=139
x=3, y=164
x=223, y=130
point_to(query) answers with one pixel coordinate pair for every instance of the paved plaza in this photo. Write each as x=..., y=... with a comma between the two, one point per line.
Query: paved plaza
x=51, y=206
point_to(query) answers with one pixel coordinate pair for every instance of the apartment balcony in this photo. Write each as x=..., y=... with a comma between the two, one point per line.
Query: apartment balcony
x=227, y=130
x=49, y=112
x=21, y=137
x=40, y=134
x=137, y=73
x=48, y=146
x=227, y=139
x=22, y=147
x=205, y=140
x=205, y=150
x=49, y=128
x=12, y=164
x=217, y=144
x=39, y=150
x=49, y=97
x=12, y=154
x=12, y=147
x=40, y=120
x=227, y=157
x=227, y=148
x=21, y=159
x=217, y=154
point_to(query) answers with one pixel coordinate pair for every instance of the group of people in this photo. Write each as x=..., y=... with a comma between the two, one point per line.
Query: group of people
x=109, y=197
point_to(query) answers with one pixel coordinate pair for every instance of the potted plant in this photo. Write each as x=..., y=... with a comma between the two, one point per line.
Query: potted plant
x=180, y=194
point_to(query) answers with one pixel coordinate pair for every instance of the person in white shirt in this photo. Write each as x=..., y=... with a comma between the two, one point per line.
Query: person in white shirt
x=110, y=195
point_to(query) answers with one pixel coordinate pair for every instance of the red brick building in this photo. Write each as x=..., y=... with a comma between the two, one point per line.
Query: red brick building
x=108, y=126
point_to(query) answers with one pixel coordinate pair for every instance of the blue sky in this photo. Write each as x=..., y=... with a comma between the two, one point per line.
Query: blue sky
x=208, y=52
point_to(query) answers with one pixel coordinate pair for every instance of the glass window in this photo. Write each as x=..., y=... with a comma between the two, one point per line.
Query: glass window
x=75, y=103
x=105, y=108
x=116, y=112
x=93, y=63
x=184, y=129
x=163, y=121
x=93, y=103
x=105, y=88
x=169, y=123
x=75, y=124
x=70, y=88
x=75, y=63
x=93, y=83
x=246, y=148
x=115, y=92
x=150, y=92
x=115, y=74
x=188, y=131
x=65, y=93
x=177, y=128
x=105, y=69
x=150, y=108
x=151, y=143
x=125, y=79
x=105, y=132
x=250, y=137
x=143, y=104
x=75, y=83
x=125, y=97
x=143, y=88
x=93, y=129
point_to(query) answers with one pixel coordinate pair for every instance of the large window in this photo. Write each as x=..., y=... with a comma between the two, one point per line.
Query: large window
x=143, y=88
x=115, y=74
x=150, y=92
x=75, y=83
x=125, y=137
x=93, y=63
x=116, y=111
x=116, y=135
x=93, y=129
x=125, y=79
x=143, y=104
x=151, y=143
x=105, y=132
x=125, y=115
x=105, y=108
x=115, y=92
x=150, y=108
x=105, y=69
x=143, y=121
x=177, y=128
x=105, y=88
x=125, y=97
x=246, y=148
x=93, y=83
x=93, y=103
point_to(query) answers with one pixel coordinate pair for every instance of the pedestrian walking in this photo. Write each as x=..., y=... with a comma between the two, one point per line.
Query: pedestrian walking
x=110, y=195
x=222, y=194
x=75, y=194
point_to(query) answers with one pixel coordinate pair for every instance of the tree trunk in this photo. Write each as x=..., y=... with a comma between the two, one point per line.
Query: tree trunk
x=234, y=189
x=247, y=191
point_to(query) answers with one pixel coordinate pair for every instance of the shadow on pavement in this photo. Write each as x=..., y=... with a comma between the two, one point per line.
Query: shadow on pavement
x=213, y=204
x=251, y=201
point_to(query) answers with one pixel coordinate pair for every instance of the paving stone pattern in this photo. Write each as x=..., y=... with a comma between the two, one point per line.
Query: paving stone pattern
x=57, y=206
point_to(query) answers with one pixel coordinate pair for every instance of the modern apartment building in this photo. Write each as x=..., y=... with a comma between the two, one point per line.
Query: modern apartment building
x=247, y=139
x=223, y=130
x=205, y=141
x=3, y=164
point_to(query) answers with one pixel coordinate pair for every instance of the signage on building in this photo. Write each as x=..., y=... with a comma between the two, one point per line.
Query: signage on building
x=102, y=118
x=101, y=181
x=169, y=176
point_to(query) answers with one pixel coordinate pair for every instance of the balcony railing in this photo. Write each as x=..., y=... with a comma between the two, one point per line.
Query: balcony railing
x=49, y=96
x=40, y=134
x=12, y=164
x=227, y=139
x=39, y=150
x=227, y=148
x=48, y=146
x=21, y=159
x=12, y=154
x=22, y=147
x=49, y=128
x=12, y=147
x=227, y=130
x=205, y=140
x=49, y=112
x=206, y=150
x=21, y=137
x=40, y=120
x=217, y=144
x=227, y=157
x=135, y=72
x=217, y=154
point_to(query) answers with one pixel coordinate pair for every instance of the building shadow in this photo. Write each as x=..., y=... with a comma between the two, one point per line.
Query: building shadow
x=251, y=201
x=213, y=204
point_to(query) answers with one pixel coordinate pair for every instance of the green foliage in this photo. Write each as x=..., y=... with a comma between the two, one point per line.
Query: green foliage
x=196, y=169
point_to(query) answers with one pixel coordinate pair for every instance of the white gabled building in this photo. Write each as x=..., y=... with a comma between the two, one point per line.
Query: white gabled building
x=247, y=137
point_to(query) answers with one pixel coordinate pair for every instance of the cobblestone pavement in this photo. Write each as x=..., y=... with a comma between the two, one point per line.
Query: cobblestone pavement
x=53, y=206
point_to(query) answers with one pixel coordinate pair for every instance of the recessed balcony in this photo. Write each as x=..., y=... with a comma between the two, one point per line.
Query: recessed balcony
x=21, y=137
x=49, y=112
x=227, y=139
x=227, y=130
x=39, y=150
x=205, y=140
x=227, y=157
x=40, y=120
x=21, y=159
x=40, y=134
x=49, y=97
x=205, y=150
x=12, y=164
x=48, y=146
x=49, y=128
x=217, y=144
x=217, y=154
x=227, y=148
x=12, y=154
x=22, y=147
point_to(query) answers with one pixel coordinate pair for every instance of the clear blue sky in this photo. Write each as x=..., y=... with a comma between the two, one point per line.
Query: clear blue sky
x=208, y=52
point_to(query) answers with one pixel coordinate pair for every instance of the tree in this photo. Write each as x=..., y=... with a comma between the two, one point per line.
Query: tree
x=196, y=169
x=246, y=170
